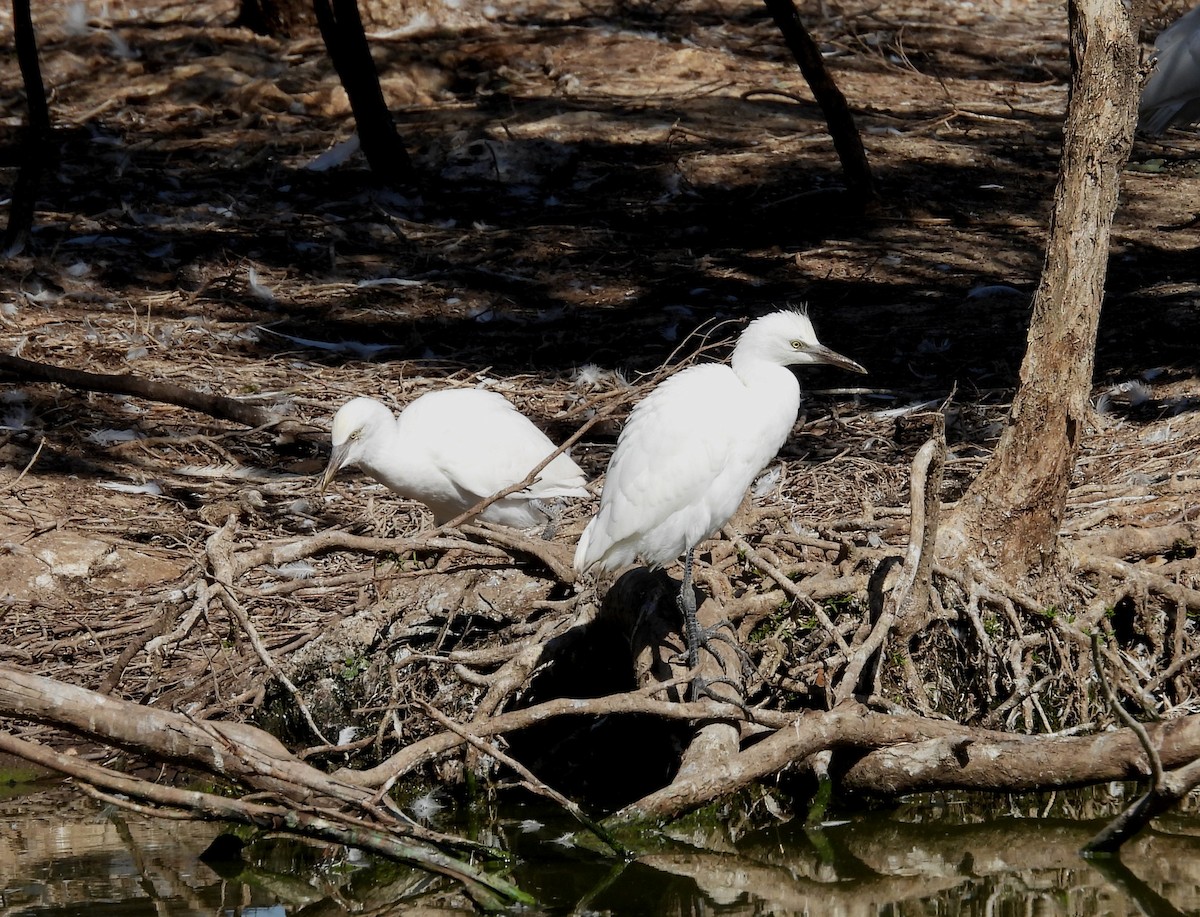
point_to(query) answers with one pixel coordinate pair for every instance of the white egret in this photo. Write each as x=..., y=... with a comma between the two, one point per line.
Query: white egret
x=1172, y=94
x=449, y=450
x=692, y=448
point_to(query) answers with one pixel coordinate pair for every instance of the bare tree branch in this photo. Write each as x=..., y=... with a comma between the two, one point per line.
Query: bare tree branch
x=842, y=129
x=342, y=29
x=36, y=148
x=128, y=384
x=489, y=889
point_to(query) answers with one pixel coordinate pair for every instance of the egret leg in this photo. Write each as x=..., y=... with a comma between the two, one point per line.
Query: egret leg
x=553, y=514
x=687, y=605
x=698, y=637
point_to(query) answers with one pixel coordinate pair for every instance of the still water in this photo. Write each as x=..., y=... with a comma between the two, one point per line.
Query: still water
x=62, y=855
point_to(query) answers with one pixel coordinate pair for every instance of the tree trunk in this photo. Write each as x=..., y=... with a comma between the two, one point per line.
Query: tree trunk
x=1012, y=512
x=342, y=29
x=842, y=129
x=37, y=141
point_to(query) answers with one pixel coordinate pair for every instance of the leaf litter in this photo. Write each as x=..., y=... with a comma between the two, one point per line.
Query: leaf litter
x=601, y=184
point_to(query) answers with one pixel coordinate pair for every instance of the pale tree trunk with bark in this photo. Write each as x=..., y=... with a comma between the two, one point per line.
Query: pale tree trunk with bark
x=1013, y=511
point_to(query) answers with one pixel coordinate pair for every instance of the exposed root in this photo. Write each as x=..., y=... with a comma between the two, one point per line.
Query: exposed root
x=374, y=633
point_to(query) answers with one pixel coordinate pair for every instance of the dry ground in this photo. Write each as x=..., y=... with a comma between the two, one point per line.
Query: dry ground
x=600, y=181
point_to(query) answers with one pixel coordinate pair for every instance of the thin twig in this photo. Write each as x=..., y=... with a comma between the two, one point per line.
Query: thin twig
x=220, y=555
x=24, y=471
x=603, y=414
x=288, y=550
x=910, y=595
x=794, y=592
x=412, y=755
x=545, y=551
x=1156, y=768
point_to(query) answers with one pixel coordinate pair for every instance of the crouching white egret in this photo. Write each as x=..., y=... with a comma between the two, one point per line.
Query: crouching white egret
x=1172, y=94
x=451, y=449
x=692, y=448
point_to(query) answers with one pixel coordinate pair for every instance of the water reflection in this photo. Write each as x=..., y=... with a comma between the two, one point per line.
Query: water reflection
x=60, y=854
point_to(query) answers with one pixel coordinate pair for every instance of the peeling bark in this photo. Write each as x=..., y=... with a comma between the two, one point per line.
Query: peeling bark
x=1000, y=762
x=234, y=750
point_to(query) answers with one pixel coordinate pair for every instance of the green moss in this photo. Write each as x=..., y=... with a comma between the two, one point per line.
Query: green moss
x=352, y=667
x=15, y=778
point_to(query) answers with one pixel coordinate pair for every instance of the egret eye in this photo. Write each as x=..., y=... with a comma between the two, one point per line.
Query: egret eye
x=797, y=345
x=357, y=434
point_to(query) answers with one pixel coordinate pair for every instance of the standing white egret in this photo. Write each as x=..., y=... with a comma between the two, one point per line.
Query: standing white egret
x=451, y=449
x=692, y=448
x=1172, y=94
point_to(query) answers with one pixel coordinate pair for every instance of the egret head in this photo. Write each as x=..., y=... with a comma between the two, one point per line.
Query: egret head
x=354, y=426
x=788, y=338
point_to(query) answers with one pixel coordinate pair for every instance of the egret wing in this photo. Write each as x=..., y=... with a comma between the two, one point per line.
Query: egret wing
x=479, y=440
x=676, y=444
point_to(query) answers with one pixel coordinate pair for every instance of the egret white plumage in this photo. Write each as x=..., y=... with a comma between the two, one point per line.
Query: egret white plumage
x=1172, y=94
x=692, y=448
x=449, y=450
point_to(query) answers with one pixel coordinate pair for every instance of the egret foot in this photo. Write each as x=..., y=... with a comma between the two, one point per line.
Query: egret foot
x=704, y=636
x=708, y=634
x=699, y=638
x=702, y=687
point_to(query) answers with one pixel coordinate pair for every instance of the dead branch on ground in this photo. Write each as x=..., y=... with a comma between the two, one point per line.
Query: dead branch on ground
x=140, y=387
x=295, y=816
x=899, y=754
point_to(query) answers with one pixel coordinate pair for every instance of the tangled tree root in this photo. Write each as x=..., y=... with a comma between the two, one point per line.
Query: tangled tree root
x=458, y=642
